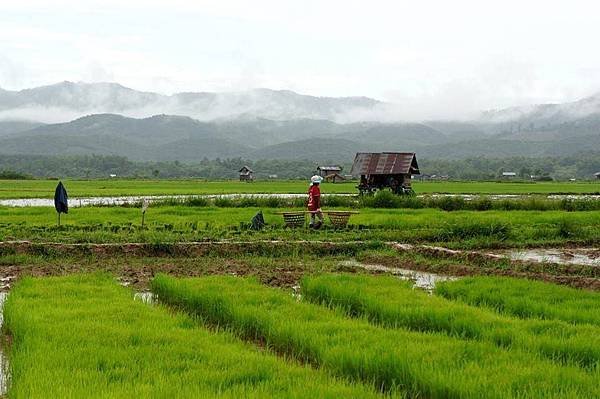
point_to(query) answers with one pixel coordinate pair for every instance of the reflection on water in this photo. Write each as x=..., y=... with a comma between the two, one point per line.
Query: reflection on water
x=117, y=201
x=576, y=256
x=145, y=297
x=127, y=200
x=423, y=280
x=3, y=358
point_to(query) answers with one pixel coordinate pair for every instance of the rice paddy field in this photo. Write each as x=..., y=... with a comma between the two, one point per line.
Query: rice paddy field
x=417, y=297
x=124, y=187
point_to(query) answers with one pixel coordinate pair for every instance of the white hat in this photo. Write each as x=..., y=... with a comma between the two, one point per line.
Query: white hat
x=316, y=179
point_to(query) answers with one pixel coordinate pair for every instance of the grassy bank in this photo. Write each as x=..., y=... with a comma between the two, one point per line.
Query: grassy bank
x=526, y=299
x=423, y=365
x=393, y=303
x=85, y=336
x=466, y=229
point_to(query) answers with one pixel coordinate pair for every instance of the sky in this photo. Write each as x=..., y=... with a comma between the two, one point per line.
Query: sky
x=434, y=59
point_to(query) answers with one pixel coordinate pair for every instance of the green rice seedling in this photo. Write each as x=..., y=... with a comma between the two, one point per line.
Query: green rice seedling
x=393, y=303
x=128, y=187
x=525, y=299
x=83, y=336
x=419, y=364
x=460, y=229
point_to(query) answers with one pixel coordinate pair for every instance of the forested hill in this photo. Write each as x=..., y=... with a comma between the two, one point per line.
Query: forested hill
x=580, y=166
x=171, y=138
x=273, y=124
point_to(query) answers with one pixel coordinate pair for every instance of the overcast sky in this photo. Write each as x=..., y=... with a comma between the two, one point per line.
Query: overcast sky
x=433, y=58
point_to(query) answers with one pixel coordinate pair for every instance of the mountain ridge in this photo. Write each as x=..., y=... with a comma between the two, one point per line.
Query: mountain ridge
x=273, y=124
x=107, y=97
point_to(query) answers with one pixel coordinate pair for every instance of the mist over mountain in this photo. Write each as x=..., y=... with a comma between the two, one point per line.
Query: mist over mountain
x=65, y=101
x=268, y=124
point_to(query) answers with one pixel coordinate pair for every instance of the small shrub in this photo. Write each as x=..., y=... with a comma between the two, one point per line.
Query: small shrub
x=451, y=203
x=482, y=204
x=197, y=201
x=566, y=228
x=223, y=202
x=385, y=199
x=464, y=231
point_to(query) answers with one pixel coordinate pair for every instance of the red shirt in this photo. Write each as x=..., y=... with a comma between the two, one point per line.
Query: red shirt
x=314, y=198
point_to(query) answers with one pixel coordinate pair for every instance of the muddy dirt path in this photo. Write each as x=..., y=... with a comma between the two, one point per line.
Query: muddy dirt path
x=183, y=259
x=466, y=263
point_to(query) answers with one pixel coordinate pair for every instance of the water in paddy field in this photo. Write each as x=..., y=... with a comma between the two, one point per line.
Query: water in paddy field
x=145, y=297
x=569, y=256
x=117, y=201
x=3, y=358
x=422, y=280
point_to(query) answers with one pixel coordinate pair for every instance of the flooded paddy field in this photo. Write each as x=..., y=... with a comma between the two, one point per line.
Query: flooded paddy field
x=163, y=187
x=564, y=256
x=353, y=199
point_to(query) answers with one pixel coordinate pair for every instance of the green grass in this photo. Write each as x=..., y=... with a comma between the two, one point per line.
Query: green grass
x=525, y=299
x=122, y=187
x=84, y=336
x=118, y=187
x=467, y=229
x=393, y=303
x=419, y=364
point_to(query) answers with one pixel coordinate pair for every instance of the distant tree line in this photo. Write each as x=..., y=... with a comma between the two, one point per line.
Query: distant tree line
x=581, y=166
x=102, y=166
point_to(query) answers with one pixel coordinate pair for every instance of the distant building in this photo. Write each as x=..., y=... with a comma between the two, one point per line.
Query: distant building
x=273, y=176
x=323, y=171
x=246, y=174
x=597, y=175
x=381, y=170
x=330, y=173
x=509, y=175
x=112, y=175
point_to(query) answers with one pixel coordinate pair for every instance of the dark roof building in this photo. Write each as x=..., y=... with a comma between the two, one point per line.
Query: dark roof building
x=385, y=163
x=381, y=170
x=246, y=174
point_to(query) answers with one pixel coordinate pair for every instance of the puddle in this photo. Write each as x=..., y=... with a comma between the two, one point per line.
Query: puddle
x=3, y=358
x=422, y=280
x=577, y=256
x=77, y=202
x=297, y=292
x=498, y=197
x=5, y=283
x=145, y=297
x=118, y=201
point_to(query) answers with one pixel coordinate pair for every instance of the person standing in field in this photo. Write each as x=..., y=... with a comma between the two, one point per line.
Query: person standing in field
x=314, y=202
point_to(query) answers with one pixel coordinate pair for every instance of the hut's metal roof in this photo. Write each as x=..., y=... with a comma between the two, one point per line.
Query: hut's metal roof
x=246, y=169
x=329, y=168
x=385, y=163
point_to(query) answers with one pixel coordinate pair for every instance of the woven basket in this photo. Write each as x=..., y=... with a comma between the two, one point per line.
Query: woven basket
x=294, y=219
x=339, y=219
